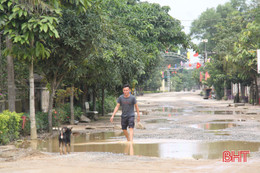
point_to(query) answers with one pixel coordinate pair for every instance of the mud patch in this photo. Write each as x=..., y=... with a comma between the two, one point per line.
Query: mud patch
x=11, y=153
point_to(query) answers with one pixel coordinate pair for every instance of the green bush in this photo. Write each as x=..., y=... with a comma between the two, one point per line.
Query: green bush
x=62, y=113
x=59, y=115
x=41, y=122
x=109, y=104
x=10, y=124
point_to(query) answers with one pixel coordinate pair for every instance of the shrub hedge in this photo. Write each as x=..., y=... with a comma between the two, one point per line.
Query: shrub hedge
x=10, y=125
x=109, y=104
x=59, y=115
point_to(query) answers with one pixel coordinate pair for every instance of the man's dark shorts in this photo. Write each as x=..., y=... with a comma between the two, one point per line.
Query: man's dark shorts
x=127, y=122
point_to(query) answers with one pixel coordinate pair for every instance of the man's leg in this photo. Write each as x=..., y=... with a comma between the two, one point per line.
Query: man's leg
x=131, y=134
x=126, y=134
x=131, y=123
x=124, y=123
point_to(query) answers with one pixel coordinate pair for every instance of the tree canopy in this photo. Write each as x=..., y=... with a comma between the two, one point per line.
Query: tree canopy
x=233, y=38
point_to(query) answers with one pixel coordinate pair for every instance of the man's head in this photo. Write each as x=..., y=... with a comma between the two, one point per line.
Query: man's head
x=126, y=90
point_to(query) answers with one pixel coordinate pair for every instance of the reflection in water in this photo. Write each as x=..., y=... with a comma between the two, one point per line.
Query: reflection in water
x=157, y=121
x=200, y=150
x=213, y=126
x=100, y=142
x=223, y=112
x=129, y=149
x=222, y=121
x=52, y=144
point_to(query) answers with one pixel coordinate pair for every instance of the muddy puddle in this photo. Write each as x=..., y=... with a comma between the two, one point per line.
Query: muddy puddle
x=115, y=143
x=169, y=110
x=213, y=126
x=156, y=121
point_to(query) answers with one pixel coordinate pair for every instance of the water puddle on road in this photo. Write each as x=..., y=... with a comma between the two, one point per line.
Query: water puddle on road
x=157, y=121
x=223, y=112
x=189, y=111
x=52, y=144
x=213, y=126
x=114, y=143
x=219, y=133
x=222, y=121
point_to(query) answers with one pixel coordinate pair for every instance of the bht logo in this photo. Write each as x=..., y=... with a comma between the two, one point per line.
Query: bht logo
x=232, y=156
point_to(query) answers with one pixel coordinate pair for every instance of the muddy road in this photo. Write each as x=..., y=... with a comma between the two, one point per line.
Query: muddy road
x=183, y=133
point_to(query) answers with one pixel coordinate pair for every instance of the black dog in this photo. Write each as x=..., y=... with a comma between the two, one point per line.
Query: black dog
x=64, y=139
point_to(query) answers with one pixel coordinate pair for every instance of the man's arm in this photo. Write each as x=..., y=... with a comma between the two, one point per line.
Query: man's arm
x=138, y=114
x=115, y=111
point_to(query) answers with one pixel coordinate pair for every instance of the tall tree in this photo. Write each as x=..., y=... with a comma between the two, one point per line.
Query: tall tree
x=10, y=65
x=67, y=54
x=155, y=29
x=222, y=27
x=29, y=23
x=10, y=77
x=246, y=46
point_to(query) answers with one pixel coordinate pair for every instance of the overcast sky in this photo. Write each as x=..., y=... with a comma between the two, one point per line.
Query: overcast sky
x=187, y=10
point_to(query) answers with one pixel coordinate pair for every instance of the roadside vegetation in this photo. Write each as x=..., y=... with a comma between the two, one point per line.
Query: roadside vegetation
x=232, y=34
x=83, y=51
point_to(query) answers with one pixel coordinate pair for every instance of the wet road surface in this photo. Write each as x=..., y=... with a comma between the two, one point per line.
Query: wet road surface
x=183, y=133
x=175, y=128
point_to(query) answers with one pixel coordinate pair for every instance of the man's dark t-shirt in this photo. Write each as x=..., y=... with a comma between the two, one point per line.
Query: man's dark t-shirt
x=127, y=105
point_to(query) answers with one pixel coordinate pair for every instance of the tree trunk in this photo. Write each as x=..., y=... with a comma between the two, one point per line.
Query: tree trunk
x=243, y=94
x=257, y=94
x=103, y=101
x=94, y=99
x=51, y=98
x=32, y=103
x=225, y=88
x=72, y=105
x=10, y=78
x=84, y=99
x=1, y=65
x=236, y=99
x=54, y=85
x=251, y=93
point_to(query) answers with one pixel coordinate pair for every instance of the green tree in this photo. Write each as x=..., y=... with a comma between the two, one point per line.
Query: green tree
x=27, y=27
x=177, y=83
x=10, y=65
x=222, y=27
x=245, y=50
x=67, y=54
x=187, y=78
x=153, y=27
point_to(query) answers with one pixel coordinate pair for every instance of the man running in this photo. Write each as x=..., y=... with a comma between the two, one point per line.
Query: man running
x=128, y=102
